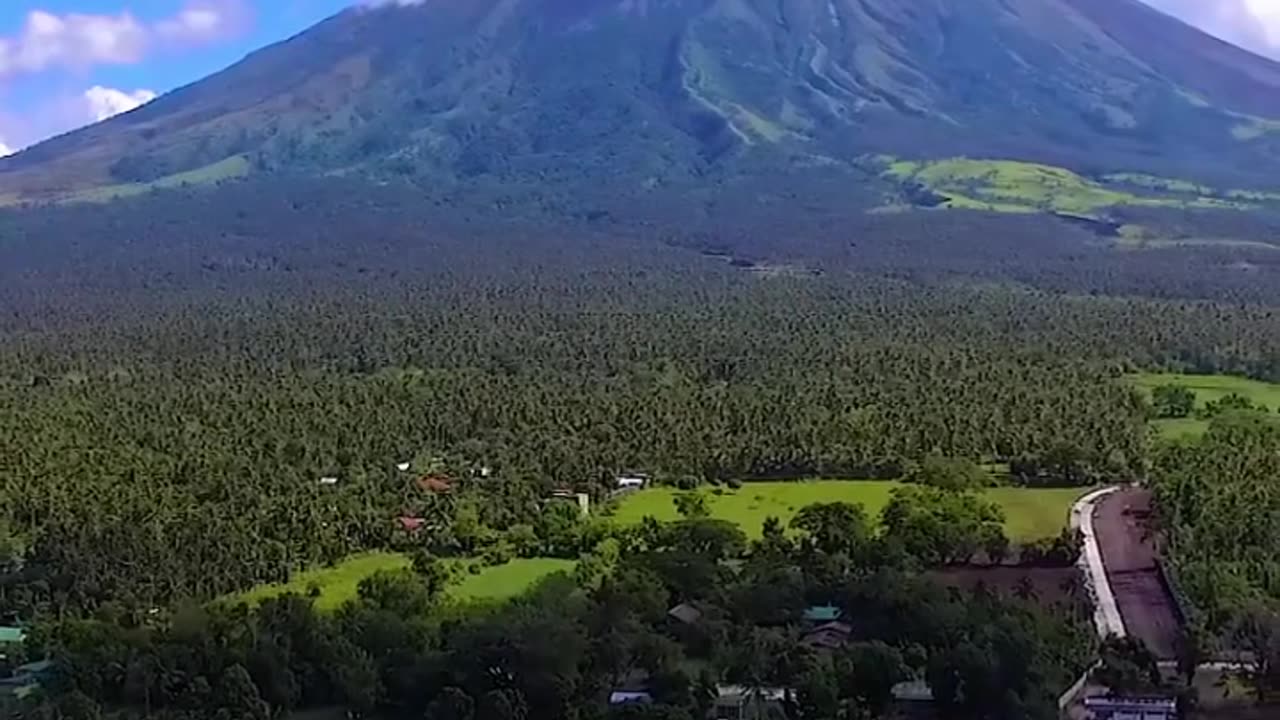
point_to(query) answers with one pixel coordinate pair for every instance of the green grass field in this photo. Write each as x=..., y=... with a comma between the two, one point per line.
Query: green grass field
x=236, y=166
x=504, y=582
x=1020, y=187
x=340, y=583
x=337, y=584
x=1207, y=389
x=1030, y=513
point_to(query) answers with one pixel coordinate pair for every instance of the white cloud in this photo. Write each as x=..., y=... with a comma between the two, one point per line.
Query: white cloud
x=105, y=102
x=76, y=40
x=1251, y=24
x=1267, y=13
x=5, y=150
x=202, y=21
x=47, y=40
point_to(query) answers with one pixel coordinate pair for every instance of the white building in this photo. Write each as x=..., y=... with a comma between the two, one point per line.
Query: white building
x=632, y=482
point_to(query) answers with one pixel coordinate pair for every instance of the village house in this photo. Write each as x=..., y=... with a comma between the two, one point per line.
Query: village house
x=737, y=702
x=685, y=613
x=630, y=697
x=410, y=524
x=821, y=614
x=435, y=484
x=635, y=481
x=582, y=500
x=1143, y=707
x=828, y=636
x=913, y=699
x=12, y=639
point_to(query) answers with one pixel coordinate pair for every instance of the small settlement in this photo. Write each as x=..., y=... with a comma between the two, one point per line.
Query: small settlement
x=823, y=630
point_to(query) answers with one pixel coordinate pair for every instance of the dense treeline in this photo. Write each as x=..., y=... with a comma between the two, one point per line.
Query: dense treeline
x=1218, y=511
x=172, y=447
x=295, y=232
x=402, y=651
x=1219, y=507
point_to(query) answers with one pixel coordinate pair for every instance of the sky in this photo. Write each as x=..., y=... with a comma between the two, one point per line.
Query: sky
x=69, y=63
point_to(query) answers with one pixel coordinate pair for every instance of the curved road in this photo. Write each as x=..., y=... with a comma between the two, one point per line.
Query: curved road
x=1129, y=555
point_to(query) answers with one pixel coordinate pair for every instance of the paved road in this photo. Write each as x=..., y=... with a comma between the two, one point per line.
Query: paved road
x=1129, y=557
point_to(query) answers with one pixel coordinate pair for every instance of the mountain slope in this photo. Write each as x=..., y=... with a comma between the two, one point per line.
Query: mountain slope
x=638, y=91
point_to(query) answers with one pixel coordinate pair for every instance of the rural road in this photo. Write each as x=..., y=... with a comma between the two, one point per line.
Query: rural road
x=1106, y=613
x=1119, y=560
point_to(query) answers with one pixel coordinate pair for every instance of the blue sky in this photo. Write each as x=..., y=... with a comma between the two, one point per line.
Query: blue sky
x=67, y=63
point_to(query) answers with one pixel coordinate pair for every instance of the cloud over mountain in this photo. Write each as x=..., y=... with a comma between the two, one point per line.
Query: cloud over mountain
x=1251, y=24
x=77, y=41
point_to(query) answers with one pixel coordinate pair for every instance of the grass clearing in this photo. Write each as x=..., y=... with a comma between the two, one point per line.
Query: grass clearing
x=236, y=166
x=1213, y=387
x=1031, y=513
x=1020, y=187
x=341, y=583
x=337, y=584
x=503, y=582
x=1208, y=388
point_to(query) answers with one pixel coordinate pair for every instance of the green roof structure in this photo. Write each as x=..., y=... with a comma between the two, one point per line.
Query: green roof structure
x=822, y=614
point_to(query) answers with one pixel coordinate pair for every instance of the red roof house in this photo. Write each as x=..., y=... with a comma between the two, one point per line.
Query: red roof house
x=412, y=524
x=435, y=484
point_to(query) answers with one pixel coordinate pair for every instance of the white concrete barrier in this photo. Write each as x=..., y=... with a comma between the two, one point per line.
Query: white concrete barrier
x=1106, y=614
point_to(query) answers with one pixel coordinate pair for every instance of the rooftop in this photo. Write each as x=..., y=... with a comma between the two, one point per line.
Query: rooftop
x=685, y=613
x=913, y=691
x=435, y=483
x=822, y=613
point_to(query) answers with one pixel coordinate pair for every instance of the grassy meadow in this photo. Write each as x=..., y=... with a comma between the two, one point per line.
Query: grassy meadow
x=340, y=583
x=1020, y=187
x=1207, y=388
x=1030, y=513
x=337, y=584
x=503, y=582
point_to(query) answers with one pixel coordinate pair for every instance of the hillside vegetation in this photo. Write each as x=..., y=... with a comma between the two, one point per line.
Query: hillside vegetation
x=637, y=95
x=1019, y=187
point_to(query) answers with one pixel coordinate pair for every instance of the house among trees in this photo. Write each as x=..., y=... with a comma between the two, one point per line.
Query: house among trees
x=404, y=466
x=633, y=481
x=685, y=613
x=329, y=480
x=821, y=614
x=828, y=636
x=1138, y=707
x=582, y=500
x=411, y=524
x=737, y=702
x=630, y=697
x=12, y=637
x=436, y=484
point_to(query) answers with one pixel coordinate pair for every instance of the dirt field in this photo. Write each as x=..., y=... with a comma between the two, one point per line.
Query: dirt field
x=1129, y=556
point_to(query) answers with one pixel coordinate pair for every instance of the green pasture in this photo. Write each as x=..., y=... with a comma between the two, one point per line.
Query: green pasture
x=1030, y=513
x=1207, y=388
x=236, y=166
x=341, y=583
x=1021, y=187
x=503, y=582
x=337, y=584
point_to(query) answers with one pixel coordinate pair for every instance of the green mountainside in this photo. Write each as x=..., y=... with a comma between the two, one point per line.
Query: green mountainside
x=645, y=92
